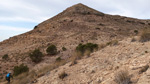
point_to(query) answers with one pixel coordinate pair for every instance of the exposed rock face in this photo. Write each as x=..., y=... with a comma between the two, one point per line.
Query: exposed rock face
x=77, y=24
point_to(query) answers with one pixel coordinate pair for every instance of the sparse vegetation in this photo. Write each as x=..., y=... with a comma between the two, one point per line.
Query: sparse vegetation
x=77, y=55
x=20, y=69
x=84, y=47
x=122, y=77
x=51, y=50
x=64, y=49
x=50, y=67
x=112, y=43
x=101, y=46
x=136, y=32
x=97, y=28
x=36, y=56
x=133, y=39
x=63, y=75
x=5, y=57
x=145, y=35
x=58, y=59
x=143, y=69
x=73, y=62
x=24, y=78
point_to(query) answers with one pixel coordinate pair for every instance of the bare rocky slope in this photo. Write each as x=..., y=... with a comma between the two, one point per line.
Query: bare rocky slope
x=76, y=24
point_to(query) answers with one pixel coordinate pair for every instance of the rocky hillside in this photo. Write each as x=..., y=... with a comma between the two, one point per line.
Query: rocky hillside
x=76, y=24
x=102, y=66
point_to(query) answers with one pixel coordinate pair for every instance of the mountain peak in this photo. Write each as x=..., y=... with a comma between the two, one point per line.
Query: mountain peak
x=81, y=9
x=79, y=5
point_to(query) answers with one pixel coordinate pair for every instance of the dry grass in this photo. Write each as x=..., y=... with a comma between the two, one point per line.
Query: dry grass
x=145, y=35
x=101, y=46
x=112, y=43
x=77, y=55
x=31, y=76
x=24, y=78
x=48, y=68
x=122, y=77
x=73, y=62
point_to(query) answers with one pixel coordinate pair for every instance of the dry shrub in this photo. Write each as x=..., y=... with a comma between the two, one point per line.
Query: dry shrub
x=63, y=75
x=64, y=49
x=136, y=32
x=144, y=69
x=58, y=59
x=122, y=77
x=74, y=59
x=24, y=78
x=73, y=62
x=112, y=43
x=145, y=35
x=77, y=55
x=133, y=39
x=87, y=53
x=5, y=57
x=101, y=46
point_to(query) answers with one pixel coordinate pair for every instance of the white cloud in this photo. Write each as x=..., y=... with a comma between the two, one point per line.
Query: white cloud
x=36, y=11
x=8, y=31
x=9, y=28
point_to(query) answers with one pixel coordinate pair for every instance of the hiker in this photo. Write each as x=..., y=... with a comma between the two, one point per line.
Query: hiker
x=8, y=76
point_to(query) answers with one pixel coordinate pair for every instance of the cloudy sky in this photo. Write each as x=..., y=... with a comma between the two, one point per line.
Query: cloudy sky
x=19, y=16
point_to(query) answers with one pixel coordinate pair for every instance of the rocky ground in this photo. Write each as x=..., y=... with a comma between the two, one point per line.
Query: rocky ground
x=102, y=66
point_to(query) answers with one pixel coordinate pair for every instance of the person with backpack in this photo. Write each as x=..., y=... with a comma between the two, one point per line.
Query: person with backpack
x=8, y=76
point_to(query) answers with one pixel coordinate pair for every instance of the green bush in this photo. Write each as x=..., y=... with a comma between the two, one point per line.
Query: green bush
x=5, y=57
x=20, y=69
x=136, y=32
x=36, y=56
x=64, y=49
x=51, y=50
x=84, y=47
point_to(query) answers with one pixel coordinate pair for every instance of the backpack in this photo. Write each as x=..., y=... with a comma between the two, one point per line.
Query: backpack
x=8, y=75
